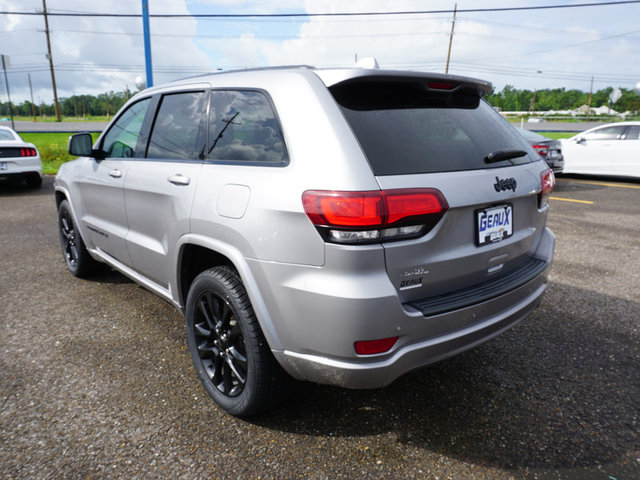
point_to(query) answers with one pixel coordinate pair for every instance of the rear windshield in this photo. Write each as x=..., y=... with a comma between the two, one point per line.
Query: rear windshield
x=406, y=128
x=6, y=135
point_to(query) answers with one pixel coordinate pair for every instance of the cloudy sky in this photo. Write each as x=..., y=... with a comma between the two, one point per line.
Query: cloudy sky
x=528, y=49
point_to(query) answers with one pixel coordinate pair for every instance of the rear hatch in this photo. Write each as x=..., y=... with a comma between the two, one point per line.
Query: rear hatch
x=426, y=132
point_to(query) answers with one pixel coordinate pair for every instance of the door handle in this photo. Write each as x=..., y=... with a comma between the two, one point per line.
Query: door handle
x=115, y=173
x=179, y=179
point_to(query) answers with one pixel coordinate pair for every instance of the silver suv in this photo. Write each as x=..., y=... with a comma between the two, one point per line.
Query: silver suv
x=342, y=226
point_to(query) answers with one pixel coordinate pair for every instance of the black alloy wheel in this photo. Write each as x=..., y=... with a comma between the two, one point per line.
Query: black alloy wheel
x=229, y=351
x=68, y=239
x=220, y=344
x=79, y=261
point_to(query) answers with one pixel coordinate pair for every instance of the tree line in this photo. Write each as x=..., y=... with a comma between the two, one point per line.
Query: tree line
x=78, y=106
x=511, y=99
x=508, y=99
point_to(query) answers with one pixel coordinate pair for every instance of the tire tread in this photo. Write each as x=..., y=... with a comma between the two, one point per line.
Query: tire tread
x=271, y=381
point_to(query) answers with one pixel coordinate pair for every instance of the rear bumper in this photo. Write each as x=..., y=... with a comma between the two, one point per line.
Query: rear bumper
x=374, y=374
x=20, y=168
x=556, y=165
x=317, y=319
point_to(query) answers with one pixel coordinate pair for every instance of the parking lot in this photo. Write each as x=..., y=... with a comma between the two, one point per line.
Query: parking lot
x=96, y=379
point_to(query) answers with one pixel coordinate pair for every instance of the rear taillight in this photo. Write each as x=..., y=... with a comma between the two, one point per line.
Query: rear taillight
x=548, y=180
x=542, y=150
x=28, y=152
x=374, y=216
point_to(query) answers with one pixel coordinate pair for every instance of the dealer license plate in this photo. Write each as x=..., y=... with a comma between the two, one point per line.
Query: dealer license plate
x=494, y=224
x=3, y=165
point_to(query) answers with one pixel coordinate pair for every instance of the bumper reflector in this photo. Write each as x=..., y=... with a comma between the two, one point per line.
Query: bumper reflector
x=371, y=347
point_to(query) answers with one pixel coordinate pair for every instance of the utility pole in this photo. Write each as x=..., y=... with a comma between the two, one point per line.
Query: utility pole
x=590, y=95
x=533, y=101
x=453, y=24
x=53, y=75
x=33, y=107
x=147, y=42
x=6, y=81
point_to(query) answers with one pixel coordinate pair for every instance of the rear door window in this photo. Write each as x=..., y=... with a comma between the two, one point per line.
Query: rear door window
x=633, y=133
x=404, y=127
x=243, y=127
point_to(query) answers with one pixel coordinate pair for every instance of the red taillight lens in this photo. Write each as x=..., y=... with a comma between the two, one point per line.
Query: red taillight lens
x=542, y=150
x=28, y=152
x=344, y=209
x=403, y=204
x=548, y=181
x=357, y=217
x=371, y=347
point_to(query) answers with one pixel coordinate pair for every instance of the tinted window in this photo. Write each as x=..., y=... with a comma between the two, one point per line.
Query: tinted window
x=606, y=133
x=405, y=128
x=243, y=127
x=633, y=133
x=120, y=141
x=178, y=130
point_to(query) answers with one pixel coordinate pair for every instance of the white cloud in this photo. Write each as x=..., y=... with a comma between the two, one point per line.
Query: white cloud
x=93, y=55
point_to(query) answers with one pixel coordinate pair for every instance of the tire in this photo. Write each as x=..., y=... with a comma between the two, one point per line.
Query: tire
x=227, y=346
x=33, y=180
x=79, y=262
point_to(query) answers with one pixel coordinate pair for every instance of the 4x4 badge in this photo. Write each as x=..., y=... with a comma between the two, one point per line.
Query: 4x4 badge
x=505, y=184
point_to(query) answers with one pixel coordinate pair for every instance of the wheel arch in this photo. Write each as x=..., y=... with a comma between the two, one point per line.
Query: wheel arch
x=60, y=195
x=198, y=253
x=195, y=259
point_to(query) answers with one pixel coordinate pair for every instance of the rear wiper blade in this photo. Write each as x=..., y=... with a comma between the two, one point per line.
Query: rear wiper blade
x=500, y=155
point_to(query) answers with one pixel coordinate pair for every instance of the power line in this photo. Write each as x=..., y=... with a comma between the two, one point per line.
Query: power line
x=198, y=36
x=571, y=45
x=325, y=14
x=609, y=77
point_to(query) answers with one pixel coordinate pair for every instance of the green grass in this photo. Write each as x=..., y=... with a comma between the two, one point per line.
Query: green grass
x=557, y=135
x=52, y=148
x=52, y=118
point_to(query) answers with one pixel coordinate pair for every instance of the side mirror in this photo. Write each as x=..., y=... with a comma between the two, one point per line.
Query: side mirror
x=579, y=139
x=80, y=145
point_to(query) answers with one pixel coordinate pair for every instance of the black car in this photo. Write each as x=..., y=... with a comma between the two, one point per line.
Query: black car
x=549, y=149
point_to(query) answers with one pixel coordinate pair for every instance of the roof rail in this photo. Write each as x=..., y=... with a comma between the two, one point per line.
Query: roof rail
x=253, y=69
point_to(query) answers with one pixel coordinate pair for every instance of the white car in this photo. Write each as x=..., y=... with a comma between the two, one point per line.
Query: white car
x=612, y=149
x=19, y=160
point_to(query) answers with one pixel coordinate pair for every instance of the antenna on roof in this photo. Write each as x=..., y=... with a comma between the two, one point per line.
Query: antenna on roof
x=368, y=62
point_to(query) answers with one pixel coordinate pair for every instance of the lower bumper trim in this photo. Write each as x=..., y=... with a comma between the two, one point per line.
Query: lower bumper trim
x=482, y=292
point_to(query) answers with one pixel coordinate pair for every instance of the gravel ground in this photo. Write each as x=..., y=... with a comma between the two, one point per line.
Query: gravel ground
x=96, y=379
